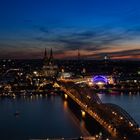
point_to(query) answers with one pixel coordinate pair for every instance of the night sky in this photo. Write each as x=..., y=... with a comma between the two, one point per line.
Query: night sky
x=95, y=27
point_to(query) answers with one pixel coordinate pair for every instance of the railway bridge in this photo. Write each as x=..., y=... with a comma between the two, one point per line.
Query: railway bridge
x=110, y=116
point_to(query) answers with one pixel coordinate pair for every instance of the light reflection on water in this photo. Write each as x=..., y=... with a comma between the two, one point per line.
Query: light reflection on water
x=42, y=117
x=39, y=117
x=128, y=101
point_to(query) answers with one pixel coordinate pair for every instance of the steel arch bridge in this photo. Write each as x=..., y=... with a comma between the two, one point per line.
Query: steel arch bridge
x=112, y=117
x=122, y=113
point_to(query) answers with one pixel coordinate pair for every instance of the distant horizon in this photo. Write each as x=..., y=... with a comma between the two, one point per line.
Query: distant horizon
x=67, y=59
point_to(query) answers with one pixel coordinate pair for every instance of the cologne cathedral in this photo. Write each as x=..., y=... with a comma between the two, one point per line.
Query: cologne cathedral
x=50, y=69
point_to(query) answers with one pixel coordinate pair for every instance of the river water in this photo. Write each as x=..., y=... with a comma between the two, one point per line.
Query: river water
x=50, y=116
x=38, y=117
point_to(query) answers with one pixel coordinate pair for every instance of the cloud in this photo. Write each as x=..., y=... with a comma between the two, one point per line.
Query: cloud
x=97, y=41
x=93, y=43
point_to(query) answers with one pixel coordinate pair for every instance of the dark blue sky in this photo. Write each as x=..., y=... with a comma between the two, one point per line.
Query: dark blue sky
x=96, y=27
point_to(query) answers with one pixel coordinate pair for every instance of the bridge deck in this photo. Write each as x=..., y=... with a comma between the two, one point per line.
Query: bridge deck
x=112, y=117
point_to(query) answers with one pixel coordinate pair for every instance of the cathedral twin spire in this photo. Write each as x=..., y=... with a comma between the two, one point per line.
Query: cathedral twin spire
x=48, y=60
x=45, y=54
x=51, y=54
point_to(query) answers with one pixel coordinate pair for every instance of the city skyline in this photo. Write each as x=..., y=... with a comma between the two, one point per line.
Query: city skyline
x=96, y=28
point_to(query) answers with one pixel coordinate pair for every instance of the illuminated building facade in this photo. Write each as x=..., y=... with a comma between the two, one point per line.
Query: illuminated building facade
x=103, y=80
x=99, y=79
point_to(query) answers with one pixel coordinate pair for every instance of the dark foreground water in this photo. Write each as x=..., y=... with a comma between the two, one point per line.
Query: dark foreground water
x=38, y=118
x=128, y=101
x=52, y=116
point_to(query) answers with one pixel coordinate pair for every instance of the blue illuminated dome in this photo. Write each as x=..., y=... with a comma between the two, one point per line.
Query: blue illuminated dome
x=100, y=79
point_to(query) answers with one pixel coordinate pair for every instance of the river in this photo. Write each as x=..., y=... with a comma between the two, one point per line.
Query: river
x=38, y=117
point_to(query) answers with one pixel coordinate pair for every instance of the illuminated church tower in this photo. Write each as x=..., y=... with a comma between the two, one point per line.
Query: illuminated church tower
x=49, y=67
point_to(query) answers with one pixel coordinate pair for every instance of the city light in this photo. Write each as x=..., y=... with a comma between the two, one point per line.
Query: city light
x=83, y=113
x=81, y=89
x=70, y=69
x=66, y=96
